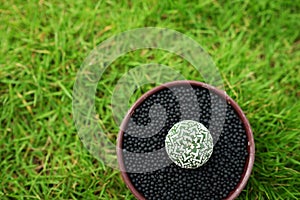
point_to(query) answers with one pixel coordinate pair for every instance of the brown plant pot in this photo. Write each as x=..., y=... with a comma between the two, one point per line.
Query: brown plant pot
x=250, y=148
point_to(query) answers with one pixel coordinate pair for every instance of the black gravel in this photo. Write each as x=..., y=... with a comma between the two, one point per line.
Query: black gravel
x=215, y=179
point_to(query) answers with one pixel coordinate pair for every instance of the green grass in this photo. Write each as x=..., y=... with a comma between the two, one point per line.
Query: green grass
x=255, y=44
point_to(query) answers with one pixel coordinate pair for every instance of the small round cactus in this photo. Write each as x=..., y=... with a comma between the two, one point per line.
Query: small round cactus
x=189, y=144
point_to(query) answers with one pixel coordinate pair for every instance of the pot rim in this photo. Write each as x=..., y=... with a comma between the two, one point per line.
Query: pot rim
x=251, y=146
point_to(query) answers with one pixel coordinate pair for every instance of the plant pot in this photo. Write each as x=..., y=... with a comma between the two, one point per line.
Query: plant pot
x=222, y=177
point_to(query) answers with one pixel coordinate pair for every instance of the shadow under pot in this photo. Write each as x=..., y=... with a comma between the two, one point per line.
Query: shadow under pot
x=185, y=140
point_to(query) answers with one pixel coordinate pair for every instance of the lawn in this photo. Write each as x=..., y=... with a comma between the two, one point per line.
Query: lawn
x=255, y=45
